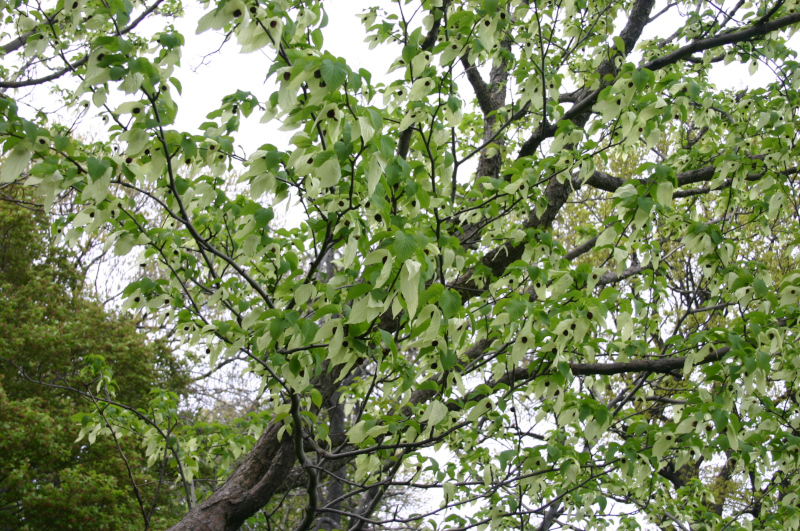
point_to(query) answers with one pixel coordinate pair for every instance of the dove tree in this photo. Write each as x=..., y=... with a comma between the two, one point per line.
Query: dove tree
x=471, y=305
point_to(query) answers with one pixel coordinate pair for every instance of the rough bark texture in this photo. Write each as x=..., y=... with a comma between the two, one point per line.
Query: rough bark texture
x=335, y=490
x=262, y=474
x=248, y=489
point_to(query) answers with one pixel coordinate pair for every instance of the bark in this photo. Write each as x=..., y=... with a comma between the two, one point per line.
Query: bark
x=491, y=97
x=262, y=474
x=335, y=490
x=662, y=366
x=248, y=489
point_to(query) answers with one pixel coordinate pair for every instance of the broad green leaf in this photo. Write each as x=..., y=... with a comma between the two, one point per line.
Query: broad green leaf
x=15, y=163
x=405, y=245
x=334, y=73
x=409, y=285
x=608, y=237
x=435, y=413
x=450, y=302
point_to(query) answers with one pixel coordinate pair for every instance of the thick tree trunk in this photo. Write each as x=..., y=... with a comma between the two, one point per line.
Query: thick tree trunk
x=248, y=489
x=262, y=474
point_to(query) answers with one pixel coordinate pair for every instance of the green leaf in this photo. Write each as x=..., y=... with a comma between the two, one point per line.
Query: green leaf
x=409, y=51
x=334, y=73
x=405, y=245
x=640, y=78
x=316, y=37
x=97, y=168
x=357, y=433
x=15, y=163
x=450, y=303
x=764, y=359
x=619, y=44
x=760, y=287
x=431, y=295
x=263, y=216
x=316, y=397
x=490, y=6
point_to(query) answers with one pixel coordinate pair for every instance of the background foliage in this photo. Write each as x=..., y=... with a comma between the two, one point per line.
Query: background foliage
x=50, y=329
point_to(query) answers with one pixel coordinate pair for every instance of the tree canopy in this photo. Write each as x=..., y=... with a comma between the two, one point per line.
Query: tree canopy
x=543, y=272
x=50, y=329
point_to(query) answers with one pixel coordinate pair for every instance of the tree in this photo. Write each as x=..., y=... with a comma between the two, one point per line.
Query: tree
x=50, y=330
x=626, y=376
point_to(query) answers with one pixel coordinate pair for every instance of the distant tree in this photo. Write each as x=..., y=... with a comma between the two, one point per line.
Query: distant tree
x=50, y=329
